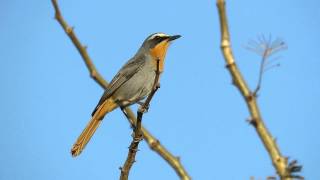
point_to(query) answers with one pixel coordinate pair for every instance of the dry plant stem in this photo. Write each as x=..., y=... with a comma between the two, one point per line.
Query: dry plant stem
x=153, y=143
x=279, y=162
x=262, y=65
x=133, y=148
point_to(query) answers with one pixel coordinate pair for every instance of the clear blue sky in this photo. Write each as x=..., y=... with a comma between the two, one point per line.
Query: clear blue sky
x=47, y=95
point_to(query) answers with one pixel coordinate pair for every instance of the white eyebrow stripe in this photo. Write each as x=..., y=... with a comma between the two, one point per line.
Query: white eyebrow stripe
x=159, y=35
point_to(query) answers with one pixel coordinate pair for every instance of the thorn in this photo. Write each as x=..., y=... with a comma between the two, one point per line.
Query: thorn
x=252, y=121
x=249, y=120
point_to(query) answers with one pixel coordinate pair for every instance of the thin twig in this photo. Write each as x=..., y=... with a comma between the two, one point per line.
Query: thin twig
x=265, y=48
x=152, y=141
x=133, y=148
x=261, y=71
x=280, y=162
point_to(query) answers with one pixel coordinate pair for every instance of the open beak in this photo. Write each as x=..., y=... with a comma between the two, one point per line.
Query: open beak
x=174, y=37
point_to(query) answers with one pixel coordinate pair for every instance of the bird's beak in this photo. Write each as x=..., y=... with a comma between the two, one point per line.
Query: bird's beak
x=174, y=37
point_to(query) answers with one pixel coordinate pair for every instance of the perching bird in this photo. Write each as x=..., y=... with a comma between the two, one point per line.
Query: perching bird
x=133, y=83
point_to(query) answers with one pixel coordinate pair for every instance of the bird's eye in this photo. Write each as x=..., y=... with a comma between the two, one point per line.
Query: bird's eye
x=157, y=37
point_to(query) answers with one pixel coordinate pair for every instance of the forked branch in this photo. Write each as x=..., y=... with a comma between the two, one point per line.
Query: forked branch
x=137, y=136
x=285, y=171
x=153, y=143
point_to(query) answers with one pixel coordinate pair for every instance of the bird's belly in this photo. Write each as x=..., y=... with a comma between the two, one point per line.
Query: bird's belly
x=136, y=88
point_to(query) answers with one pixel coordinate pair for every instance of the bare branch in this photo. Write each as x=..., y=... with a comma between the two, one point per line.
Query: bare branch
x=153, y=142
x=280, y=162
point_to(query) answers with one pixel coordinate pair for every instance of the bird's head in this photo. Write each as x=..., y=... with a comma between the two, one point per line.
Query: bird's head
x=156, y=39
x=157, y=44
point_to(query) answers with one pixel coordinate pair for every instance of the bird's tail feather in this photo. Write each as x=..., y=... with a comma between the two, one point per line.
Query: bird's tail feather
x=92, y=126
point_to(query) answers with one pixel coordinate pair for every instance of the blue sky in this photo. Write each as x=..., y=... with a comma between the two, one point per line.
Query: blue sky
x=47, y=96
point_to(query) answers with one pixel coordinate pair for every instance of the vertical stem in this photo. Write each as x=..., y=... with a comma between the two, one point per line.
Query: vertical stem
x=279, y=162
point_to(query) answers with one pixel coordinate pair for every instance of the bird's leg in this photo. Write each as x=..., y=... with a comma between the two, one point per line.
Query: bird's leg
x=158, y=85
x=140, y=103
x=143, y=106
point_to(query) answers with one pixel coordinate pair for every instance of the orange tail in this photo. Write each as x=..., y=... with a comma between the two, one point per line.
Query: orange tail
x=92, y=126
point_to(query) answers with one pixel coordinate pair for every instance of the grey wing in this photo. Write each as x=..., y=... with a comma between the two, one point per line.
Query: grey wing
x=124, y=74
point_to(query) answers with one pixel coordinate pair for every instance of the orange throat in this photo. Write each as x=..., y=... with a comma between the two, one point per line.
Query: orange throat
x=159, y=52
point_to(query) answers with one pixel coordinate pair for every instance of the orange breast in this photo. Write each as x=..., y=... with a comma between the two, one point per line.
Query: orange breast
x=159, y=51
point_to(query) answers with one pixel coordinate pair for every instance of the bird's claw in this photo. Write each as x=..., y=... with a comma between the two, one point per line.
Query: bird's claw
x=143, y=108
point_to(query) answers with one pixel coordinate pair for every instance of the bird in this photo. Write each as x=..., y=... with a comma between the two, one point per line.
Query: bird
x=133, y=83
